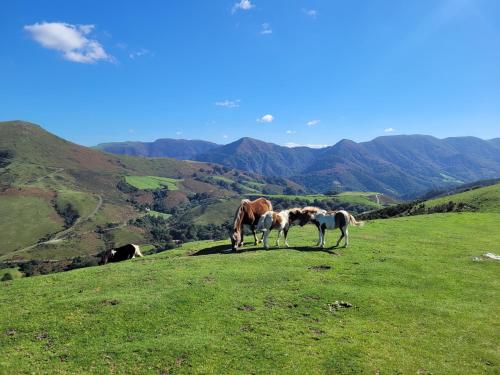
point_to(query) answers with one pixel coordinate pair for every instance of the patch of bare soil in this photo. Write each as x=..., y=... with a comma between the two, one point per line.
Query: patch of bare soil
x=246, y=308
x=338, y=305
x=111, y=302
x=319, y=268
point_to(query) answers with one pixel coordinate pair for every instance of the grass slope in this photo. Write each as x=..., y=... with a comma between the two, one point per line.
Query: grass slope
x=486, y=199
x=421, y=306
x=24, y=220
x=367, y=199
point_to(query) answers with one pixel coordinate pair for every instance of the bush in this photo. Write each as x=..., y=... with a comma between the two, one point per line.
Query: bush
x=7, y=277
x=68, y=213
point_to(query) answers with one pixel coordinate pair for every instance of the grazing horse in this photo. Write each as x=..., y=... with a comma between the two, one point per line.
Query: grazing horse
x=335, y=219
x=125, y=252
x=248, y=213
x=280, y=221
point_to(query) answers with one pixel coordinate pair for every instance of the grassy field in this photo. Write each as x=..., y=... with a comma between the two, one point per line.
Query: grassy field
x=421, y=305
x=486, y=199
x=159, y=214
x=216, y=213
x=152, y=182
x=24, y=220
x=84, y=203
x=367, y=199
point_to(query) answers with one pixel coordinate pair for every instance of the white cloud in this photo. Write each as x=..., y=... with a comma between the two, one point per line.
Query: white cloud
x=71, y=40
x=243, y=5
x=266, y=118
x=389, y=130
x=139, y=53
x=225, y=136
x=293, y=144
x=291, y=132
x=228, y=103
x=178, y=133
x=313, y=122
x=266, y=29
x=313, y=13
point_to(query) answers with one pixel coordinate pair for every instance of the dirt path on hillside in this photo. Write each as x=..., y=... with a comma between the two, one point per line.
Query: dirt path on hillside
x=58, y=237
x=39, y=179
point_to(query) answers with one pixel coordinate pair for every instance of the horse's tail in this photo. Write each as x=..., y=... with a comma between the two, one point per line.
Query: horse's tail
x=353, y=221
x=270, y=204
x=265, y=222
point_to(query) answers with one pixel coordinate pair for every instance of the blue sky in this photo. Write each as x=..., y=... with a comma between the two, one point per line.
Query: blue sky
x=284, y=71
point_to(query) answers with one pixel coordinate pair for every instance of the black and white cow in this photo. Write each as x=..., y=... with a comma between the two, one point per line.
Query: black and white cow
x=125, y=252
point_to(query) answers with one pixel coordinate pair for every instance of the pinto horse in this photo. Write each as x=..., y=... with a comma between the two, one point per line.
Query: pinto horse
x=280, y=221
x=248, y=213
x=307, y=215
x=333, y=220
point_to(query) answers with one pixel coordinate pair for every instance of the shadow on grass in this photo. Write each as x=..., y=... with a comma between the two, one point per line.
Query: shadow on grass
x=226, y=250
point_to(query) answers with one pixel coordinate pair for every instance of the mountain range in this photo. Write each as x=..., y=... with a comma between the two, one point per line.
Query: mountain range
x=400, y=165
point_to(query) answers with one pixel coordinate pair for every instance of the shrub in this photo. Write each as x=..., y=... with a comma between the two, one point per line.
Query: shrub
x=7, y=277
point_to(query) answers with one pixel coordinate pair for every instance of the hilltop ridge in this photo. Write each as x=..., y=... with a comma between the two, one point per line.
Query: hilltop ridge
x=399, y=165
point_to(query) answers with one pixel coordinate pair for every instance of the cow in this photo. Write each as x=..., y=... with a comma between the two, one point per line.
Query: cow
x=125, y=252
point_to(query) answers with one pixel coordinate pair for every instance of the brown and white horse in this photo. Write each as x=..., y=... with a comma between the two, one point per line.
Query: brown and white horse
x=278, y=220
x=333, y=220
x=308, y=215
x=248, y=213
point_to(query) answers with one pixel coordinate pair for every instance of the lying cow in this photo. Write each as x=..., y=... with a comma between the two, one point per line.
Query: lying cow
x=125, y=252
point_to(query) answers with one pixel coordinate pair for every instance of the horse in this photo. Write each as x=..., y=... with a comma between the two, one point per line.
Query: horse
x=278, y=220
x=307, y=215
x=125, y=252
x=335, y=219
x=248, y=213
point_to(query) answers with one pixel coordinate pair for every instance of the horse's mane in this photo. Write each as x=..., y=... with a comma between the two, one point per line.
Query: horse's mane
x=239, y=211
x=312, y=209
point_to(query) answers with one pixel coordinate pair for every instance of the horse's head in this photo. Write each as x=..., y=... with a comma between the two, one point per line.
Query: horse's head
x=235, y=239
x=298, y=216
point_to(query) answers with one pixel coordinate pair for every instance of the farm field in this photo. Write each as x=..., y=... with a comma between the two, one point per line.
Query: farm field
x=368, y=199
x=421, y=303
x=152, y=182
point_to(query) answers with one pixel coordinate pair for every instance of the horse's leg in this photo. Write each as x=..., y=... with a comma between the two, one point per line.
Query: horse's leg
x=256, y=242
x=346, y=236
x=319, y=234
x=278, y=239
x=241, y=237
x=341, y=236
x=266, y=239
x=323, y=232
x=286, y=236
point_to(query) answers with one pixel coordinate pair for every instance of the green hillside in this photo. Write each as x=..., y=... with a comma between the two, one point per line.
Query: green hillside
x=367, y=199
x=421, y=303
x=61, y=200
x=26, y=219
x=485, y=199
